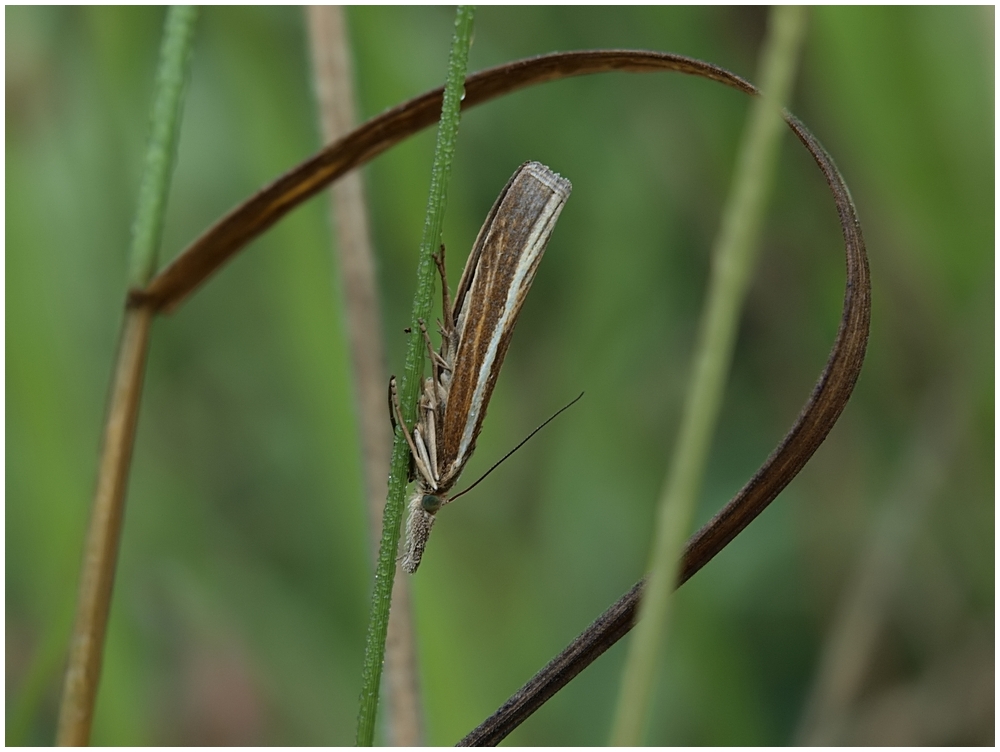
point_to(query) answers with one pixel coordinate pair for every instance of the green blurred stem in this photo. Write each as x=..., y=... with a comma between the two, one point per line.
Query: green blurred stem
x=161, y=150
x=444, y=153
x=104, y=532
x=733, y=260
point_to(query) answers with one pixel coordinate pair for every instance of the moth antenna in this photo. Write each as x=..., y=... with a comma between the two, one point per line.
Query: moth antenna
x=521, y=444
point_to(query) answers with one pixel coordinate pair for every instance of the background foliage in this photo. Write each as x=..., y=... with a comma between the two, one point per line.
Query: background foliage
x=242, y=587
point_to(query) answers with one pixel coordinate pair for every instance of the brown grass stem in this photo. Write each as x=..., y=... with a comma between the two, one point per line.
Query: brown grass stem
x=332, y=75
x=104, y=533
x=101, y=546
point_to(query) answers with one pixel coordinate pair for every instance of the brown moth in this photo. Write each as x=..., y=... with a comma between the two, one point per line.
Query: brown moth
x=475, y=333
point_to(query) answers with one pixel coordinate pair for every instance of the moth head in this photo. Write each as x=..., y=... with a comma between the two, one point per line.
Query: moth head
x=431, y=503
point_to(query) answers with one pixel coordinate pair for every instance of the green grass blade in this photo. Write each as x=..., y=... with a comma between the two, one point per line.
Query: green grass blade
x=732, y=264
x=161, y=149
x=444, y=153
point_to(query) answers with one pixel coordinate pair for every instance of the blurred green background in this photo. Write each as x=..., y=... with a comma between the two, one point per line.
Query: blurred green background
x=242, y=587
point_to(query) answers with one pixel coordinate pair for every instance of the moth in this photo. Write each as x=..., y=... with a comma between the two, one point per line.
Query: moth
x=475, y=333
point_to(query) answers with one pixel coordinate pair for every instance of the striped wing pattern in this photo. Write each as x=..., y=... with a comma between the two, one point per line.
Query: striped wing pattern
x=496, y=280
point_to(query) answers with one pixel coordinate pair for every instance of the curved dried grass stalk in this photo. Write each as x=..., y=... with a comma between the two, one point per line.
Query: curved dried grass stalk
x=233, y=232
x=824, y=406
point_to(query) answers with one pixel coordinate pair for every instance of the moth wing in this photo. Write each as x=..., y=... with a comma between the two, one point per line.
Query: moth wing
x=469, y=272
x=496, y=280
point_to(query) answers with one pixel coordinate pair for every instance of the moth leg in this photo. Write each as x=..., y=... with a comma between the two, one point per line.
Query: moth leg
x=430, y=400
x=418, y=439
x=437, y=362
x=411, y=471
x=430, y=420
x=418, y=460
x=436, y=358
x=449, y=323
x=448, y=343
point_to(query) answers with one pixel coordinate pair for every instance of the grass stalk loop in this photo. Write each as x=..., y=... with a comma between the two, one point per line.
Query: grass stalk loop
x=733, y=261
x=444, y=152
x=228, y=236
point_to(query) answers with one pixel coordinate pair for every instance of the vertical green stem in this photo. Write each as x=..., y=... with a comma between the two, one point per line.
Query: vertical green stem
x=385, y=571
x=162, y=147
x=732, y=263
